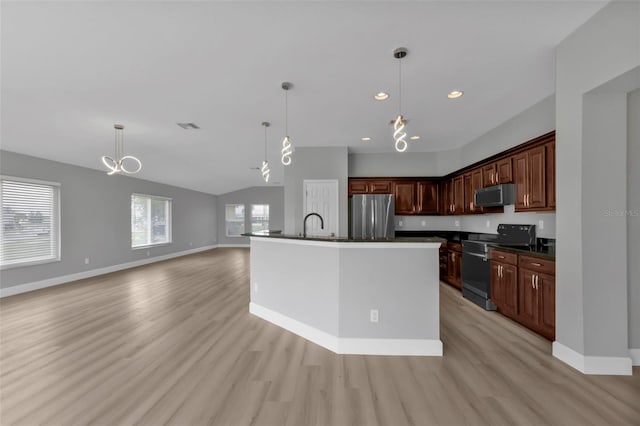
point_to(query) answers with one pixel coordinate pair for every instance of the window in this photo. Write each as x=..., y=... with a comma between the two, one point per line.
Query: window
x=30, y=222
x=150, y=220
x=259, y=217
x=234, y=216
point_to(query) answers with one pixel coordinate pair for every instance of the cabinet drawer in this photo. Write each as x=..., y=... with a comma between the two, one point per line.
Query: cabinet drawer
x=537, y=264
x=503, y=257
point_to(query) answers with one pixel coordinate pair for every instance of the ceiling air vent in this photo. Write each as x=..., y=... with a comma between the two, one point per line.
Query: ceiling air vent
x=188, y=126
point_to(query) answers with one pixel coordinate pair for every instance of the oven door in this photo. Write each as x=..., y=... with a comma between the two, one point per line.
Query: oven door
x=476, y=279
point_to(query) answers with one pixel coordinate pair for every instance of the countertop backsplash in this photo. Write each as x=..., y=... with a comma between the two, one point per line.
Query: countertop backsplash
x=478, y=223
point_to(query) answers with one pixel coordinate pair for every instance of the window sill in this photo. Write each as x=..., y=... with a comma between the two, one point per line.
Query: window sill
x=29, y=263
x=151, y=245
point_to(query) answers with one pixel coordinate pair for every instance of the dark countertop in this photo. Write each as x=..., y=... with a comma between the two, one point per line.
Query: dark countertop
x=399, y=239
x=545, y=252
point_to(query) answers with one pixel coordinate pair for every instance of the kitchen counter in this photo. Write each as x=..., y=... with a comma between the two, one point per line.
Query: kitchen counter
x=399, y=239
x=350, y=296
x=545, y=252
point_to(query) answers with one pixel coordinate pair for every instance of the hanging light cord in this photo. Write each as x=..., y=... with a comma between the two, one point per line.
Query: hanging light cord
x=399, y=134
x=286, y=142
x=116, y=165
x=265, y=164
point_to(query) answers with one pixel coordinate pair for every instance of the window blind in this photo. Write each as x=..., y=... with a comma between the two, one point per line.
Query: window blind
x=30, y=222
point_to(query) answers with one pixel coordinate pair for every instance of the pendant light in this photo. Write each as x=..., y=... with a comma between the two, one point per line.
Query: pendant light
x=286, y=142
x=117, y=164
x=265, y=164
x=399, y=134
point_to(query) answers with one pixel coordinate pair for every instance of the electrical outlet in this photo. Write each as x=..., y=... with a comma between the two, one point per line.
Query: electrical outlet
x=190, y=244
x=373, y=315
x=400, y=223
x=541, y=224
x=457, y=223
x=423, y=223
x=488, y=224
x=86, y=260
x=255, y=287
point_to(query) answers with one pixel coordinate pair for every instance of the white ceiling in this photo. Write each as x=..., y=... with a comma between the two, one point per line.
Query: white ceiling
x=71, y=70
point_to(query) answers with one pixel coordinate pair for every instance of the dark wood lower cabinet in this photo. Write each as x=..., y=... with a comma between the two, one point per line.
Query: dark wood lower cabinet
x=524, y=289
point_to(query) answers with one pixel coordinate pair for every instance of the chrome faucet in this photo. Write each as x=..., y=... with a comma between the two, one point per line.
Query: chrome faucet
x=304, y=223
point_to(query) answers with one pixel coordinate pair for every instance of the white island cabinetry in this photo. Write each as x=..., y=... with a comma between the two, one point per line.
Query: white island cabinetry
x=325, y=291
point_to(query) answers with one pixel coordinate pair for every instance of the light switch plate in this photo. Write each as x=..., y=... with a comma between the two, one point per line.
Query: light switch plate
x=541, y=224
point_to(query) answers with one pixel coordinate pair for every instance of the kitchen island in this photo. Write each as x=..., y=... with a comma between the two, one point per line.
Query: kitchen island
x=350, y=296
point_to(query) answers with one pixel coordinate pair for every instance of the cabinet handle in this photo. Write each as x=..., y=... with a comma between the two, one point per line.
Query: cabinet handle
x=537, y=279
x=532, y=284
x=501, y=257
x=497, y=177
x=536, y=264
x=501, y=271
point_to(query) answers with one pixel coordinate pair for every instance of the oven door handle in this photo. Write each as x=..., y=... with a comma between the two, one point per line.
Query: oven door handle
x=481, y=256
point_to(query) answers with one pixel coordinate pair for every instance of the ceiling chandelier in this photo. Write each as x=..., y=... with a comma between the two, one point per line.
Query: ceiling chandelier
x=265, y=164
x=117, y=164
x=399, y=134
x=286, y=142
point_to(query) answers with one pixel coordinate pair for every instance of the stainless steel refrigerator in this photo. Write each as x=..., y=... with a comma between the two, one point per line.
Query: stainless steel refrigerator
x=372, y=216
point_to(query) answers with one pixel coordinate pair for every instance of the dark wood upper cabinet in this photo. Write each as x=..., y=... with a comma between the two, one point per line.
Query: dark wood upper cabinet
x=489, y=175
x=551, y=174
x=520, y=172
x=405, y=195
x=446, y=197
x=476, y=183
x=537, y=178
x=381, y=187
x=504, y=171
x=358, y=186
x=458, y=195
x=427, y=195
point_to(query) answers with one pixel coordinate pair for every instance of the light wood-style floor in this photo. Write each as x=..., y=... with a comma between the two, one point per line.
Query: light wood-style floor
x=173, y=342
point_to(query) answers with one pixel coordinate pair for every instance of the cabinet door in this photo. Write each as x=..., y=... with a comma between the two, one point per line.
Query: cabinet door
x=405, y=194
x=551, y=175
x=427, y=197
x=468, y=193
x=504, y=171
x=510, y=290
x=476, y=183
x=381, y=187
x=445, y=197
x=528, y=306
x=458, y=195
x=497, y=290
x=489, y=175
x=537, y=182
x=521, y=171
x=546, y=287
x=358, y=187
x=453, y=275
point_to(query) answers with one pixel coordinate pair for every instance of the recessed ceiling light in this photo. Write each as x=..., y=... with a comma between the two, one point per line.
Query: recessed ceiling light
x=381, y=96
x=365, y=138
x=414, y=138
x=455, y=94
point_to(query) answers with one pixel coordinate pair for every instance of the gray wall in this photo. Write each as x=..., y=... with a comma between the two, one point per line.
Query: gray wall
x=314, y=163
x=602, y=49
x=274, y=196
x=528, y=124
x=96, y=218
x=633, y=219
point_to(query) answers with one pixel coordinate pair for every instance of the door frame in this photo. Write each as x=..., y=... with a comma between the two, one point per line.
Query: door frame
x=305, y=182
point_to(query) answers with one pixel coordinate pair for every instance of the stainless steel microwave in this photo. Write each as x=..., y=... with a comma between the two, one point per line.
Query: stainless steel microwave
x=495, y=196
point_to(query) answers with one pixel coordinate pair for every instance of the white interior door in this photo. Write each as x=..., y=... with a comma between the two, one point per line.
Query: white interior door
x=321, y=196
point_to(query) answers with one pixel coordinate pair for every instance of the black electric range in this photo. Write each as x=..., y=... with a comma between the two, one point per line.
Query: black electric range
x=476, y=268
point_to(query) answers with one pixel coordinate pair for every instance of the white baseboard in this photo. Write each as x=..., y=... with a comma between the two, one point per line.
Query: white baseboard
x=233, y=245
x=609, y=365
x=50, y=282
x=635, y=356
x=353, y=346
